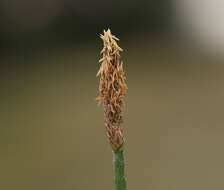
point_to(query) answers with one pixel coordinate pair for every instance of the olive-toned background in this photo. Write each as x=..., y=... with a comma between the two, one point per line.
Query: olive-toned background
x=52, y=135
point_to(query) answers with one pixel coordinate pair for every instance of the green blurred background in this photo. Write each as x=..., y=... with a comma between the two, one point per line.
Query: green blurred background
x=52, y=135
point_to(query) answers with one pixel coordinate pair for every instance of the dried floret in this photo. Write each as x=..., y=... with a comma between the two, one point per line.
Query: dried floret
x=112, y=88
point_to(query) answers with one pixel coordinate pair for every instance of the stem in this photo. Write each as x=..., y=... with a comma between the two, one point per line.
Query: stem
x=120, y=181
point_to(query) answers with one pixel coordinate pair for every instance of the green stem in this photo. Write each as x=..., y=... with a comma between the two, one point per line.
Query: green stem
x=120, y=181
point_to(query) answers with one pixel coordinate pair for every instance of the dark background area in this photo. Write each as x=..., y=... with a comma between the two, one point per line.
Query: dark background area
x=37, y=24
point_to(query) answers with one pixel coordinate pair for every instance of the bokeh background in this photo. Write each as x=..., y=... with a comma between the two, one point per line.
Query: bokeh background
x=52, y=135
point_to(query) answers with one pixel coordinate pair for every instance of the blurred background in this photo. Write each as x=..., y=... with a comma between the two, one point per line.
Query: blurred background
x=52, y=132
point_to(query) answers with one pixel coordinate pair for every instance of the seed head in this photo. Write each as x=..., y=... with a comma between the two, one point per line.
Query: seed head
x=112, y=88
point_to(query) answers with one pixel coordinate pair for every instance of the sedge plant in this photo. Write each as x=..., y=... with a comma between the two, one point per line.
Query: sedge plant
x=112, y=89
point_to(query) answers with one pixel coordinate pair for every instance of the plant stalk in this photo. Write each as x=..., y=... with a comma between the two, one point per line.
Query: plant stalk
x=119, y=170
x=112, y=89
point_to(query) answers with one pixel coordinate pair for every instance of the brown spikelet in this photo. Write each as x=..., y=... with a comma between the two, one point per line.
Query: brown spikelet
x=112, y=88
